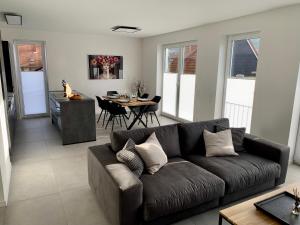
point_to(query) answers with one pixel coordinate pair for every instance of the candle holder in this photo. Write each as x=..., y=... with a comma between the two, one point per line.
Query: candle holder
x=296, y=209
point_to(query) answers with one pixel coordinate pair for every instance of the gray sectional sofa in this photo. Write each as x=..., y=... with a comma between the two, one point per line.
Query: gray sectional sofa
x=190, y=183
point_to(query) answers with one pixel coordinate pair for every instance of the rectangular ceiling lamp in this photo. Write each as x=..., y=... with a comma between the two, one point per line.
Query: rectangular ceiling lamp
x=13, y=19
x=125, y=29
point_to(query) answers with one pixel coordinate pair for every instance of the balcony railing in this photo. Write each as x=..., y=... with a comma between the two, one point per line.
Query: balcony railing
x=238, y=115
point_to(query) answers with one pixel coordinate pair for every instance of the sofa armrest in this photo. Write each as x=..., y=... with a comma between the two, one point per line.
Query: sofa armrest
x=270, y=150
x=118, y=190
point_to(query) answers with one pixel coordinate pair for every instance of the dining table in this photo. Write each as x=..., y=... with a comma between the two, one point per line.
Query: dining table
x=132, y=104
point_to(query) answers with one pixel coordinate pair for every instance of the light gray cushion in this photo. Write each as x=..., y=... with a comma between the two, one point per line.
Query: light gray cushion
x=218, y=144
x=152, y=154
x=130, y=158
x=237, y=134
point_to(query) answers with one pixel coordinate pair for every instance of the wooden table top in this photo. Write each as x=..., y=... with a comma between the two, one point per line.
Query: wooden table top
x=131, y=103
x=245, y=213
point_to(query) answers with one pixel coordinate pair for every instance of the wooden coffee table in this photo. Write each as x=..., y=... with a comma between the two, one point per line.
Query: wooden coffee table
x=245, y=213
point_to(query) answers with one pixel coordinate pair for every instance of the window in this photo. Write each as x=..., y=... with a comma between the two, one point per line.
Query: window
x=179, y=79
x=241, y=70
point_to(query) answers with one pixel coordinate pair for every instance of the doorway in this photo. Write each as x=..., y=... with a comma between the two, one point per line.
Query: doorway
x=32, y=80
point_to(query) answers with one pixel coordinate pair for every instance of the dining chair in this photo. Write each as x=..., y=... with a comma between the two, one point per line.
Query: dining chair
x=137, y=109
x=110, y=93
x=116, y=111
x=103, y=105
x=151, y=110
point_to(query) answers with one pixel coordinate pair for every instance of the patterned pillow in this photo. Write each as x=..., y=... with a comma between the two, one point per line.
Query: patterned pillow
x=130, y=158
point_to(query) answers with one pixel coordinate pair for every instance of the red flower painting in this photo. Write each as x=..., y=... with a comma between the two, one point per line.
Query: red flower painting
x=105, y=67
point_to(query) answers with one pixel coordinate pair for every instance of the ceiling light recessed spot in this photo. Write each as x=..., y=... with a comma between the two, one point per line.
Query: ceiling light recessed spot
x=13, y=19
x=125, y=29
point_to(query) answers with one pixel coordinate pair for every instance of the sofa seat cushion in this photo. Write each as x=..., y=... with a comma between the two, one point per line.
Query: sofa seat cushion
x=177, y=186
x=239, y=172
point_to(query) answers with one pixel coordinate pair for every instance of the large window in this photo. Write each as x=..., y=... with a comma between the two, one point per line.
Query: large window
x=241, y=69
x=179, y=80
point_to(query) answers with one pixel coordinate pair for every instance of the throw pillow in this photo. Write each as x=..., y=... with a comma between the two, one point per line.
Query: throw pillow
x=130, y=158
x=152, y=154
x=218, y=144
x=237, y=134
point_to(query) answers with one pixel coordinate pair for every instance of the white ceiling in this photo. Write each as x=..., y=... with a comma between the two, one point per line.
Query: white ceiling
x=153, y=16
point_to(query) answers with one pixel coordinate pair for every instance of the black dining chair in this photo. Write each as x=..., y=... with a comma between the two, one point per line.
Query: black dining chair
x=151, y=110
x=116, y=111
x=103, y=105
x=110, y=93
x=137, y=109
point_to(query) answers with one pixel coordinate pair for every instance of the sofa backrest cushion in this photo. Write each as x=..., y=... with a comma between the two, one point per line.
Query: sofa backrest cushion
x=191, y=135
x=167, y=136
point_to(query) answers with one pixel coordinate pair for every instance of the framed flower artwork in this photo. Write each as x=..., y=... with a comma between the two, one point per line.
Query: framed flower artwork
x=105, y=67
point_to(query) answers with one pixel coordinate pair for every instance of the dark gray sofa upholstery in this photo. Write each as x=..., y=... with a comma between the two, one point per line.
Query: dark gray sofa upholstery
x=167, y=135
x=240, y=172
x=177, y=186
x=190, y=183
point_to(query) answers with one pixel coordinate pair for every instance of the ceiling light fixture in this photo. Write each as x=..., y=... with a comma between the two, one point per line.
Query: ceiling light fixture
x=13, y=19
x=125, y=29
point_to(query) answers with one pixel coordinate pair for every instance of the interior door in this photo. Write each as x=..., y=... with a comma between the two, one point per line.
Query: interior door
x=32, y=79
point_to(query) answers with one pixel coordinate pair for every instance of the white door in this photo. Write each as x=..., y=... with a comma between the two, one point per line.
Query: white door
x=32, y=80
x=243, y=52
x=179, y=79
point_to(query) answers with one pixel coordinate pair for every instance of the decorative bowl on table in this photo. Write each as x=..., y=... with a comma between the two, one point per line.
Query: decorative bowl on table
x=143, y=99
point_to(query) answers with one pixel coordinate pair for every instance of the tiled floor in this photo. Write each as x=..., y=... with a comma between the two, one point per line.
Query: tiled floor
x=49, y=183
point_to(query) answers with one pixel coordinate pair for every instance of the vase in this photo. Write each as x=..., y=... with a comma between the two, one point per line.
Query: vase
x=296, y=209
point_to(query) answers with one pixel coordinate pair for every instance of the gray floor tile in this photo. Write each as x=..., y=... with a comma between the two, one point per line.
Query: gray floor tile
x=29, y=152
x=81, y=208
x=2, y=213
x=32, y=180
x=70, y=172
x=29, y=135
x=56, y=150
x=47, y=210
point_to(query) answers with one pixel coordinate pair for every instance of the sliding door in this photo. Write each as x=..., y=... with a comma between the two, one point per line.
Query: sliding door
x=179, y=79
x=243, y=52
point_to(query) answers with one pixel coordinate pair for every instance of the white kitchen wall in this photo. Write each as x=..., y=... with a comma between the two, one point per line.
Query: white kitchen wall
x=67, y=58
x=277, y=68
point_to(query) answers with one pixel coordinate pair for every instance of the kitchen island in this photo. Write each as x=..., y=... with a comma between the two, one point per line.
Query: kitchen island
x=75, y=119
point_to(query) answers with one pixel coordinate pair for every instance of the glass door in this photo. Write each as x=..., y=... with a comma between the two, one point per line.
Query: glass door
x=243, y=52
x=179, y=79
x=32, y=80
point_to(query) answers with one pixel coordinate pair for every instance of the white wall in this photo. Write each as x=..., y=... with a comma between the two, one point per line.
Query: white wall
x=67, y=58
x=5, y=165
x=277, y=68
